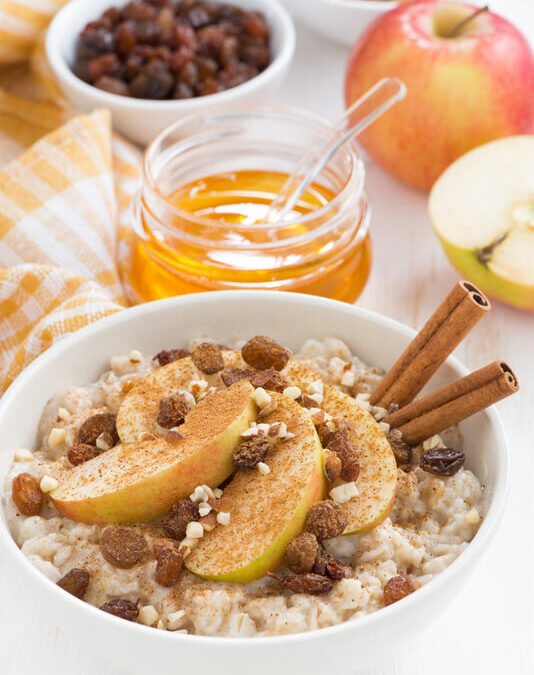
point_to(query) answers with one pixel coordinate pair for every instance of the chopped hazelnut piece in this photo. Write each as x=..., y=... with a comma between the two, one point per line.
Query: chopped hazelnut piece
x=344, y=493
x=332, y=465
x=56, y=437
x=262, y=398
x=223, y=518
x=194, y=530
x=48, y=484
x=104, y=441
x=176, y=620
x=135, y=356
x=264, y=469
x=63, y=414
x=269, y=379
x=23, y=455
x=148, y=615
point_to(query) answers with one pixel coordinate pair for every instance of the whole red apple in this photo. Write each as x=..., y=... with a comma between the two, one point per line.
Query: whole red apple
x=469, y=82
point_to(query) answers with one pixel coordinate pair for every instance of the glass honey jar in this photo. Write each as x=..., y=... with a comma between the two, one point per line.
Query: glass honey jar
x=199, y=219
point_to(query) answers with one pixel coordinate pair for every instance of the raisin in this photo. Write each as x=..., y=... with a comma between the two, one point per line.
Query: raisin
x=207, y=358
x=231, y=375
x=96, y=425
x=332, y=465
x=307, y=401
x=75, y=582
x=401, y=450
x=123, y=547
x=182, y=91
x=27, y=494
x=172, y=411
x=255, y=24
x=397, y=588
x=168, y=567
x=442, y=461
x=81, y=453
x=112, y=85
x=313, y=584
x=125, y=609
x=263, y=352
x=301, y=553
x=182, y=513
x=107, y=64
x=159, y=545
x=168, y=356
x=334, y=569
x=250, y=453
x=269, y=379
x=344, y=448
x=326, y=520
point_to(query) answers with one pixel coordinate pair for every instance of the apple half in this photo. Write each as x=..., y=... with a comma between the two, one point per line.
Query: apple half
x=141, y=481
x=377, y=481
x=482, y=209
x=269, y=510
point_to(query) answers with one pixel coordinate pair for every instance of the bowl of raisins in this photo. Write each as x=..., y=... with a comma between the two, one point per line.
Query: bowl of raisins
x=152, y=61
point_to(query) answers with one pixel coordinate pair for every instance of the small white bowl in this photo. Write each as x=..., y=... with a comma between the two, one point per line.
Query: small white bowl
x=141, y=120
x=291, y=318
x=340, y=20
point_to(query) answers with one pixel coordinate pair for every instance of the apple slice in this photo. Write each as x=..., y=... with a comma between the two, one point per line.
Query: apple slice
x=377, y=482
x=269, y=511
x=139, y=409
x=141, y=481
x=482, y=209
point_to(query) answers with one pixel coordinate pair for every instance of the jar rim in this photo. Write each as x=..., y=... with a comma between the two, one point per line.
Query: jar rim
x=353, y=185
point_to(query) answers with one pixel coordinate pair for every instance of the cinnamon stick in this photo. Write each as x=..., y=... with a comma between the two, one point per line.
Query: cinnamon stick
x=451, y=322
x=453, y=403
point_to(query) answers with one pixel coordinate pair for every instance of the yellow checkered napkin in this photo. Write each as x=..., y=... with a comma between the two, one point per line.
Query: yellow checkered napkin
x=63, y=226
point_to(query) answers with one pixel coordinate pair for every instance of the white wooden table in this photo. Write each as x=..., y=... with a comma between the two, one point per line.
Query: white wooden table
x=490, y=628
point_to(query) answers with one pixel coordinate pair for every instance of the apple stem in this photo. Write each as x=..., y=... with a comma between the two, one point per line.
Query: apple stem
x=454, y=32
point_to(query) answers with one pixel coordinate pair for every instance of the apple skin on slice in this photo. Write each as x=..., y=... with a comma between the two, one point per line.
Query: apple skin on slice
x=268, y=510
x=377, y=482
x=141, y=481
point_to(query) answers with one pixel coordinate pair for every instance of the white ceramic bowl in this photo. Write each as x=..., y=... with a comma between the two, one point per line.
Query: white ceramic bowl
x=141, y=120
x=340, y=20
x=291, y=318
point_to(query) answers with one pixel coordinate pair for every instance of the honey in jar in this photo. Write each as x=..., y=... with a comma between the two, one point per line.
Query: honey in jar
x=202, y=231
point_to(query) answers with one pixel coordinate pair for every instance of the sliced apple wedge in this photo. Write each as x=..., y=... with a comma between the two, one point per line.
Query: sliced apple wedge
x=139, y=409
x=269, y=510
x=482, y=209
x=377, y=482
x=141, y=481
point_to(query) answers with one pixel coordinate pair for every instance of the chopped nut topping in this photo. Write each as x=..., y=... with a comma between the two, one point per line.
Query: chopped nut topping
x=344, y=493
x=472, y=517
x=182, y=513
x=104, y=441
x=148, y=615
x=384, y=426
x=23, y=455
x=123, y=547
x=341, y=444
x=325, y=520
x=223, y=518
x=176, y=620
x=172, y=411
x=250, y=452
x=217, y=493
x=221, y=504
x=202, y=493
x=332, y=465
x=319, y=416
x=263, y=468
x=261, y=397
x=48, y=484
x=173, y=436
x=203, y=509
x=168, y=567
x=27, y=494
x=292, y=392
x=96, y=425
x=63, y=414
x=75, y=582
x=263, y=353
x=325, y=433
x=56, y=437
x=301, y=553
x=208, y=358
x=432, y=442
x=269, y=379
x=124, y=609
x=135, y=356
x=312, y=584
x=209, y=522
x=231, y=375
x=168, y=356
x=194, y=530
x=397, y=588
x=348, y=379
x=308, y=401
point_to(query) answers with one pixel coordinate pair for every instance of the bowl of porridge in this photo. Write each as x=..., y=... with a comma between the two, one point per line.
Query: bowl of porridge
x=186, y=490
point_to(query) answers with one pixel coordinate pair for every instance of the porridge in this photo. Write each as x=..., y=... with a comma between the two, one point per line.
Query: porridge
x=298, y=506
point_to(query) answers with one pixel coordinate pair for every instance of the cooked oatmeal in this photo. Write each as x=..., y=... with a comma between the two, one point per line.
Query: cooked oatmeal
x=432, y=520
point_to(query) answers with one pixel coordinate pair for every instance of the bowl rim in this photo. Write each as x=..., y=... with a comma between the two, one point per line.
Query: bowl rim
x=424, y=594
x=282, y=24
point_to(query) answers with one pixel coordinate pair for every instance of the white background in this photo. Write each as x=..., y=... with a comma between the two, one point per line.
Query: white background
x=490, y=628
